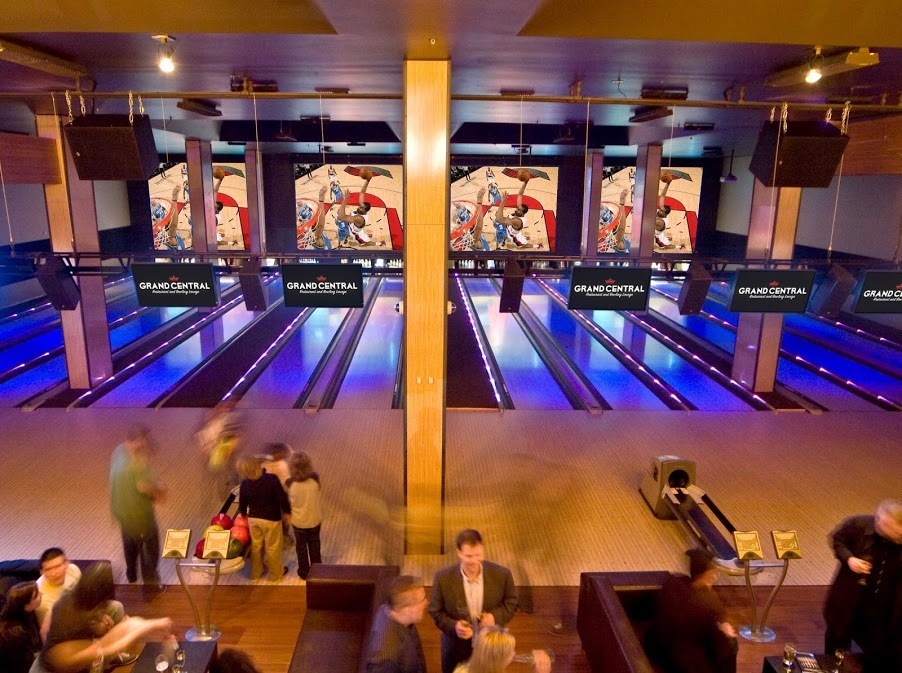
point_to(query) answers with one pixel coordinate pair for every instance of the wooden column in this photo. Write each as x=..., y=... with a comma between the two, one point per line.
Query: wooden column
x=199, y=157
x=772, y=231
x=72, y=219
x=427, y=121
x=592, y=203
x=645, y=200
x=256, y=218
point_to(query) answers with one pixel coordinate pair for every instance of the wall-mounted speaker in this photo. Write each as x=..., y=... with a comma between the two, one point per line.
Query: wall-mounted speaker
x=252, y=285
x=666, y=471
x=833, y=292
x=806, y=155
x=108, y=147
x=512, y=285
x=57, y=282
x=694, y=290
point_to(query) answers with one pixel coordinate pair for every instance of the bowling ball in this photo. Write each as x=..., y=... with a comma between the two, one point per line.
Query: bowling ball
x=240, y=521
x=523, y=175
x=240, y=533
x=223, y=520
x=218, y=173
x=667, y=176
x=199, y=548
x=366, y=174
x=236, y=548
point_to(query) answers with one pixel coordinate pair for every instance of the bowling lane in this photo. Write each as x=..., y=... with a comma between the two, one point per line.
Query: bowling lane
x=147, y=385
x=44, y=314
x=53, y=338
x=370, y=380
x=528, y=380
x=862, y=375
x=30, y=383
x=791, y=375
x=691, y=382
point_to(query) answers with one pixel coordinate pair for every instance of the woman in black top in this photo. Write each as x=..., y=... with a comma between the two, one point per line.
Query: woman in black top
x=263, y=499
x=20, y=635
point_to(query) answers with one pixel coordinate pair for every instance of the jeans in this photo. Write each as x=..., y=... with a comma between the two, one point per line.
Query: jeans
x=145, y=547
x=306, y=542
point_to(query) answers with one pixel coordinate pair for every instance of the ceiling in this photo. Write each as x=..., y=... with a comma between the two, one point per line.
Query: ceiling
x=704, y=46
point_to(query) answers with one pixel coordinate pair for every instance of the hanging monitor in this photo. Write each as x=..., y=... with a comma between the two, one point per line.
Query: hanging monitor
x=771, y=291
x=881, y=292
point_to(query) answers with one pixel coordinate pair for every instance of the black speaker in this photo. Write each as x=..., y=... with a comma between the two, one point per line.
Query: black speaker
x=694, y=290
x=252, y=285
x=512, y=286
x=833, y=291
x=108, y=147
x=56, y=280
x=809, y=153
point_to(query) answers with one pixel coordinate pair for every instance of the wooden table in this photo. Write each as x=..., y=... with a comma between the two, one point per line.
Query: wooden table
x=775, y=664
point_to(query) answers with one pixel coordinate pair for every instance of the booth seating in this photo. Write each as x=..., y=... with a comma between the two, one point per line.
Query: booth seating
x=341, y=602
x=614, y=615
x=26, y=570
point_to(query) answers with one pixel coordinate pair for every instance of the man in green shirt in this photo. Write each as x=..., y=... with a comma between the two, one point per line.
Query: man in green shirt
x=133, y=490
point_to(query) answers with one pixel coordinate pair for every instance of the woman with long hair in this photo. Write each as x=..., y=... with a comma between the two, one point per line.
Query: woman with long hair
x=82, y=633
x=306, y=517
x=263, y=500
x=20, y=637
x=493, y=651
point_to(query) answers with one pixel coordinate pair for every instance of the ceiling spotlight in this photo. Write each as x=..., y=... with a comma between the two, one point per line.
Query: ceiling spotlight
x=824, y=66
x=165, y=50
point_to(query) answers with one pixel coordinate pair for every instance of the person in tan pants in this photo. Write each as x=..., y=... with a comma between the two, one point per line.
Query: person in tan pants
x=263, y=500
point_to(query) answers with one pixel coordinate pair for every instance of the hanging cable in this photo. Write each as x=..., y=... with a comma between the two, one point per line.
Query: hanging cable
x=520, y=147
x=781, y=129
x=322, y=131
x=670, y=152
x=844, y=127
x=256, y=126
x=165, y=135
x=9, y=222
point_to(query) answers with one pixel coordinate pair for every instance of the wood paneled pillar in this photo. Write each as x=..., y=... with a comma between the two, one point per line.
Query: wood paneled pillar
x=645, y=200
x=427, y=121
x=592, y=203
x=256, y=218
x=772, y=231
x=72, y=220
x=199, y=157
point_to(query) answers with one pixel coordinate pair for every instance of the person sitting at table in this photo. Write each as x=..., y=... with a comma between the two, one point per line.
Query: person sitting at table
x=20, y=637
x=690, y=632
x=81, y=632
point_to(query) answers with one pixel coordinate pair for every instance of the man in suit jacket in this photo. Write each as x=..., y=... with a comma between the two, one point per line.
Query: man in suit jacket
x=865, y=601
x=469, y=596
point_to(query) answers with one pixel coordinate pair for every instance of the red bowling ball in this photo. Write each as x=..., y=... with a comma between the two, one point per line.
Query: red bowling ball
x=223, y=520
x=199, y=549
x=240, y=533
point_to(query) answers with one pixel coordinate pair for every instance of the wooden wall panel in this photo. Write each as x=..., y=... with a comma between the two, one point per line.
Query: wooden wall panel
x=28, y=159
x=875, y=147
x=427, y=90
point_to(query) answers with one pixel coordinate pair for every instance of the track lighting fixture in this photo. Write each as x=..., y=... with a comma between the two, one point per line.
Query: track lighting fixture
x=165, y=51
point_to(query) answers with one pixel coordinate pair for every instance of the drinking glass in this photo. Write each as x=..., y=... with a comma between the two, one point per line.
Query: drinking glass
x=863, y=579
x=789, y=654
x=161, y=663
x=180, y=656
x=527, y=658
x=838, y=657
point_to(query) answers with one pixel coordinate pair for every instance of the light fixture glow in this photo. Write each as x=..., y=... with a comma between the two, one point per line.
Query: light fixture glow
x=813, y=76
x=165, y=51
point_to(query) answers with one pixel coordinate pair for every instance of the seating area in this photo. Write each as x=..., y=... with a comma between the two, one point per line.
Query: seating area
x=341, y=601
x=613, y=617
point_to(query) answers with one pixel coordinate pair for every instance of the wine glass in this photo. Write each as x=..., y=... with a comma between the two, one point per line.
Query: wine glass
x=863, y=579
x=161, y=663
x=180, y=656
x=527, y=658
x=789, y=655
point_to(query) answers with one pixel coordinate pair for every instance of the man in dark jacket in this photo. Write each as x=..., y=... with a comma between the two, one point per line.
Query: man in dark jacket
x=394, y=645
x=469, y=596
x=865, y=601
